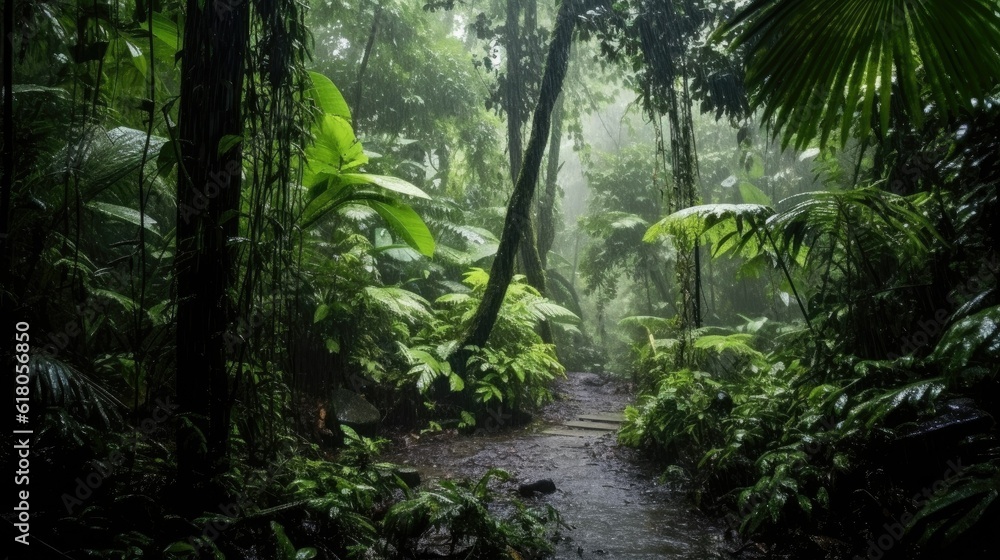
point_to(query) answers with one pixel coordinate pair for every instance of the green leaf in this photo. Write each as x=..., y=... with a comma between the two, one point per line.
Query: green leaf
x=166, y=159
x=228, y=142
x=814, y=65
x=752, y=195
x=975, y=339
x=165, y=31
x=335, y=149
x=286, y=551
x=456, y=383
x=394, y=184
x=138, y=58
x=729, y=227
x=328, y=97
x=332, y=345
x=125, y=214
x=321, y=313
x=406, y=224
x=179, y=547
x=306, y=553
x=35, y=88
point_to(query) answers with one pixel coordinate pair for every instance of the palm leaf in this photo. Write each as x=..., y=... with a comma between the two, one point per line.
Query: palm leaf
x=728, y=227
x=817, y=66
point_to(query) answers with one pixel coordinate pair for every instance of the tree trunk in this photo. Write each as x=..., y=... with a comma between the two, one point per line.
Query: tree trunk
x=530, y=259
x=547, y=200
x=519, y=208
x=359, y=87
x=512, y=91
x=208, y=195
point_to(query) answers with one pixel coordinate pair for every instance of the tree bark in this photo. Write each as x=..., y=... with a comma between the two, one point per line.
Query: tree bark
x=519, y=208
x=530, y=260
x=512, y=91
x=359, y=87
x=547, y=200
x=208, y=195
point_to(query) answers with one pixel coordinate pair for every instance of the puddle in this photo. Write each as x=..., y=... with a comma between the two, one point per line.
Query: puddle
x=610, y=497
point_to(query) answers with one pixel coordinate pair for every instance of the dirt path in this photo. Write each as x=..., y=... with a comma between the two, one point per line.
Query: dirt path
x=606, y=492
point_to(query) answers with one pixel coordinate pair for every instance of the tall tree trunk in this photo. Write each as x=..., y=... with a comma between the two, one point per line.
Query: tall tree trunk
x=547, y=199
x=359, y=87
x=208, y=196
x=512, y=91
x=530, y=260
x=519, y=208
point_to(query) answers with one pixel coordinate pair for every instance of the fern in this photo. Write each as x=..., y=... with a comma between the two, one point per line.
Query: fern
x=59, y=384
x=401, y=304
x=738, y=343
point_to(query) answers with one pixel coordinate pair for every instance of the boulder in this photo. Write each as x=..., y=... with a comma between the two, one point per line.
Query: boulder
x=355, y=412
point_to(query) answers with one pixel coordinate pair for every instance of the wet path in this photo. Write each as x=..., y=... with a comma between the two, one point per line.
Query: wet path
x=610, y=497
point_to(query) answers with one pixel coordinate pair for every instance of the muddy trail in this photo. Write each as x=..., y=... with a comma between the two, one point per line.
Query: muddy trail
x=607, y=493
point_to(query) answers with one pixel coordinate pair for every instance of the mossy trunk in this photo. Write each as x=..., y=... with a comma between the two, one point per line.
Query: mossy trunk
x=519, y=208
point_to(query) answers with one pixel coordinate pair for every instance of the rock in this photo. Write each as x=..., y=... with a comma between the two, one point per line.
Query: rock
x=545, y=486
x=409, y=475
x=354, y=411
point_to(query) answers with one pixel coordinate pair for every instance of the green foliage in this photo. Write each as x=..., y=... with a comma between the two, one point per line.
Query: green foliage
x=514, y=369
x=727, y=227
x=331, y=163
x=460, y=511
x=815, y=66
x=957, y=510
x=677, y=417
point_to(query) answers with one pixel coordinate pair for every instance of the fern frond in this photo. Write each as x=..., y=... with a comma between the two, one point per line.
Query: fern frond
x=402, y=304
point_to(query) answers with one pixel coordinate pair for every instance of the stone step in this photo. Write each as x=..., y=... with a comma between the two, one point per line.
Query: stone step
x=569, y=433
x=597, y=426
x=609, y=418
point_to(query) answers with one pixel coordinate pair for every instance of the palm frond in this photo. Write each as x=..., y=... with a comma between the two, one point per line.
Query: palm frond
x=816, y=67
x=728, y=227
x=57, y=383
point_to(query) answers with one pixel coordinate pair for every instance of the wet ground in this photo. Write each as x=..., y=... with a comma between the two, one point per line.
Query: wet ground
x=611, y=497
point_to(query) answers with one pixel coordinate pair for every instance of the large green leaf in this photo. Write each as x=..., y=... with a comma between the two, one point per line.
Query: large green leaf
x=820, y=67
x=165, y=31
x=125, y=214
x=394, y=184
x=974, y=340
x=334, y=150
x=405, y=223
x=328, y=97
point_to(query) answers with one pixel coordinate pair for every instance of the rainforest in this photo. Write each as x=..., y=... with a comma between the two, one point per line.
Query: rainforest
x=501, y=279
